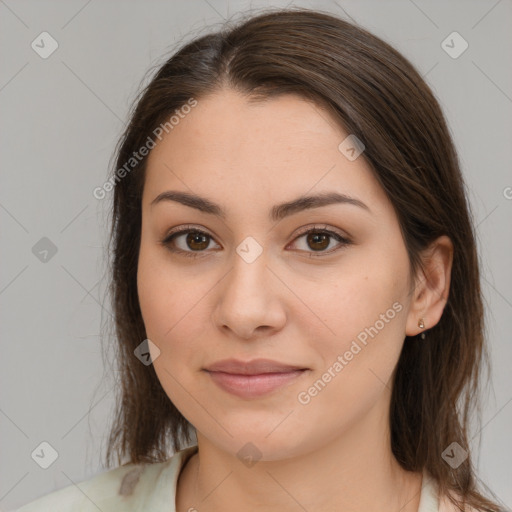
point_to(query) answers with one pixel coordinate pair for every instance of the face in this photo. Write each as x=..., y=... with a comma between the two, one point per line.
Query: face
x=245, y=284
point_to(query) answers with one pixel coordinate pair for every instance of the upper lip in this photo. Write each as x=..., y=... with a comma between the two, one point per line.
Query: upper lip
x=253, y=367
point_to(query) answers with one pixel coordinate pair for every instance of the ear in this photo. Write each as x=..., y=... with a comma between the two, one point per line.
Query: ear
x=432, y=286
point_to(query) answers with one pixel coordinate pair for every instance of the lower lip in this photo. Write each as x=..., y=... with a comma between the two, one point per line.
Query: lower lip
x=253, y=386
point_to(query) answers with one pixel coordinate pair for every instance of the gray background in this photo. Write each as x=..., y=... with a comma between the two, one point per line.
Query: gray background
x=61, y=117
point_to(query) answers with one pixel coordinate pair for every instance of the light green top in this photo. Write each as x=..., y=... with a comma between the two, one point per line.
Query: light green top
x=150, y=487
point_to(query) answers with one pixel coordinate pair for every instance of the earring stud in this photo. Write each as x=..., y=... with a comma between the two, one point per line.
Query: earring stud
x=421, y=325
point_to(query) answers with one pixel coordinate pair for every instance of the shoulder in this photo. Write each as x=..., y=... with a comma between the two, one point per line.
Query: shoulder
x=445, y=505
x=432, y=500
x=124, y=488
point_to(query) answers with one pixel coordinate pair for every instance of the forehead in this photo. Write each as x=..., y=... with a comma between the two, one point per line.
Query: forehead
x=232, y=148
x=227, y=117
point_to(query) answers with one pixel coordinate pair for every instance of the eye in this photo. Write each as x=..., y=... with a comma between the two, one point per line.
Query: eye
x=320, y=238
x=195, y=241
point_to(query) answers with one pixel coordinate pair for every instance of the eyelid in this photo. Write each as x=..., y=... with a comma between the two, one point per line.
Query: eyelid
x=183, y=229
x=322, y=227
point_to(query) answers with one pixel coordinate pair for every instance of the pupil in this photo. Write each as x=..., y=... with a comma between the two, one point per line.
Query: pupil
x=193, y=237
x=318, y=238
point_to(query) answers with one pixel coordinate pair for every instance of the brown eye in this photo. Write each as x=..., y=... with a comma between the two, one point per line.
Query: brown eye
x=318, y=241
x=197, y=241
x=188, y=242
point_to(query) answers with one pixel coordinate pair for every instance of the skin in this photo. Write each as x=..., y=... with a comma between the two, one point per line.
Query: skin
x=332, y=453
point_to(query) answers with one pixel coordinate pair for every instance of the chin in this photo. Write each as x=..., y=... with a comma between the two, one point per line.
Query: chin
x=247, y=441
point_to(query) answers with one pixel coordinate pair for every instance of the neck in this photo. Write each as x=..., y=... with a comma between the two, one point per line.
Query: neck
x=356, y=471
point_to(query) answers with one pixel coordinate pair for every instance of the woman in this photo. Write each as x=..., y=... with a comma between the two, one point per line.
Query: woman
x=295, y=283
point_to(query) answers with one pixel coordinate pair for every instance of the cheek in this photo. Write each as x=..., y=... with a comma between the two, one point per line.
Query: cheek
x=363, y=315
x=169, y=310
x=163, y=296
x=353, y=301
x=356, y=363
x=173, y=308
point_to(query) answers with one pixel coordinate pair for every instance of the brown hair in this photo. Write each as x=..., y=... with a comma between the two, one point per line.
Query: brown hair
x=378, y=95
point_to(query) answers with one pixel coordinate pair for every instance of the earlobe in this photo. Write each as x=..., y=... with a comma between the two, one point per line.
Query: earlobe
x=432, y=287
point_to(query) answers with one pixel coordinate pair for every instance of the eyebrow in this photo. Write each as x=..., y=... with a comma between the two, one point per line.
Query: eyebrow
x=277, y=213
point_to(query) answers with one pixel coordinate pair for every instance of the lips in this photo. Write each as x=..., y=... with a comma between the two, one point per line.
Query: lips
x=254, y=367
x=253, y=379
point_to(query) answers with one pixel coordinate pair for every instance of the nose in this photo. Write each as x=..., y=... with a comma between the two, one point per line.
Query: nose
x=250, y=300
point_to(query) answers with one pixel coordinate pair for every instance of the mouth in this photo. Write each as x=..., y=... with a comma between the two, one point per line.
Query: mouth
x=255, y=383
x=253, y=368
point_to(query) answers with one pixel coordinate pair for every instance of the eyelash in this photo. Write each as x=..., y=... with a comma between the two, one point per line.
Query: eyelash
x=344, y=241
